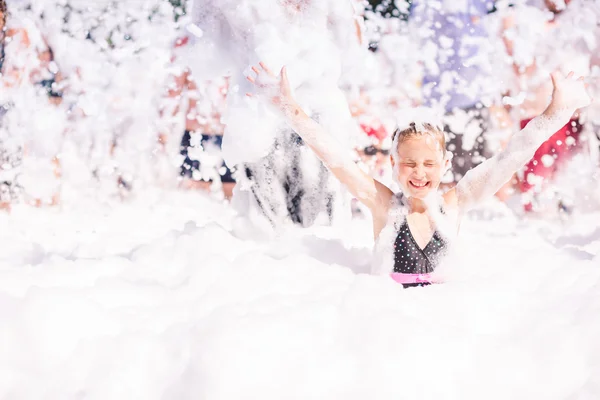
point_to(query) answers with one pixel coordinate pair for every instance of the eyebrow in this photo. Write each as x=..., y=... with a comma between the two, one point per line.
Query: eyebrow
x=411, y=160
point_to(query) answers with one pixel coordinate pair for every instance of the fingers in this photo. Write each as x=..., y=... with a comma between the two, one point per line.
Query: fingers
x=557, y=77
x=258, y=71
x=250, y=78
x=265, y=68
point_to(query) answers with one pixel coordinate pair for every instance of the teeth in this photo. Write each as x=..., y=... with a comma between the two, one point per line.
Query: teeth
x=419, y=184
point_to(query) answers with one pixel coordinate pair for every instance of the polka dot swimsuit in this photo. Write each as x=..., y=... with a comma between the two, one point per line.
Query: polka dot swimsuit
x=409, y=258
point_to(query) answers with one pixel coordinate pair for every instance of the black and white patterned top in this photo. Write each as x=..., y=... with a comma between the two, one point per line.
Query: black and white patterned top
x=409, y=258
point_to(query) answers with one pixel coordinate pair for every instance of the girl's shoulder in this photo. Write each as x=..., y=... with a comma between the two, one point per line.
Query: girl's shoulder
x=450, y=199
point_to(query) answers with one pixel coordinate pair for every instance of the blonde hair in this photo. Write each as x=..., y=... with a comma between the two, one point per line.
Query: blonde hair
x=414, y=130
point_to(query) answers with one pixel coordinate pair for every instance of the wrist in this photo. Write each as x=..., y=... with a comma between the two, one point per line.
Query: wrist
x=291, y=109
x=555, y=111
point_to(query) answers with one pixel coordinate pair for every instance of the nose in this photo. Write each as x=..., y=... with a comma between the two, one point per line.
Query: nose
x=420, y=172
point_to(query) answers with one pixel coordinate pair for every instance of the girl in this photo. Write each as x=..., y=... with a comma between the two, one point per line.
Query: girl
x=419, y=160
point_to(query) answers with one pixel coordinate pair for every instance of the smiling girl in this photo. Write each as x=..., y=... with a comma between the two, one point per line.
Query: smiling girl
x=413, y=217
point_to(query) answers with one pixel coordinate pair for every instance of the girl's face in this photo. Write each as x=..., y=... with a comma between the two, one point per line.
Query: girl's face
x=419, y=166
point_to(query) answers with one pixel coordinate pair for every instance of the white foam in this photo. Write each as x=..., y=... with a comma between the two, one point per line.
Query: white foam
x=157, y=299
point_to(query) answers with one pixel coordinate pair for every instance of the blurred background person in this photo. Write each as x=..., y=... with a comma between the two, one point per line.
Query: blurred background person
x=542, y=37
x=200, y=105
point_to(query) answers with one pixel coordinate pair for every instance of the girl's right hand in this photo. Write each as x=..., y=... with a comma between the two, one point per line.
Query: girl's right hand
x=274, y=88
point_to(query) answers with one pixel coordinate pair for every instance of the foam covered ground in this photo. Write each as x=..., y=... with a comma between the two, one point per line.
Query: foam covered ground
x=157, y=299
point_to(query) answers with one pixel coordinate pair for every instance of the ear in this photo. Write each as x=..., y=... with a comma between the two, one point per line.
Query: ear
x=392, y=160
x=447, y=164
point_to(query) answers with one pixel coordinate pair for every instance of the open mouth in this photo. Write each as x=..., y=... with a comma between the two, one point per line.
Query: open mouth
x=419, y=185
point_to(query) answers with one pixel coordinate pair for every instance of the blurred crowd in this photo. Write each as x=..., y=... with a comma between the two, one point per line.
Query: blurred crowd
x=481, y=65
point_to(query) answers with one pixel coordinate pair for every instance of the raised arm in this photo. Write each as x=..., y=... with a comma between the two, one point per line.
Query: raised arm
x=334, y=155
x=486, y=179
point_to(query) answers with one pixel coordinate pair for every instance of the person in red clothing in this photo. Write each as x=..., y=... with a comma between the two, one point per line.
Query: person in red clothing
x=533, y=60
x=549, y=158
x=375, y=154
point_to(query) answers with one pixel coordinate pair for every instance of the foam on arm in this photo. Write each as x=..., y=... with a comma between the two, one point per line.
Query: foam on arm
x=486, y=179
x=336, y=157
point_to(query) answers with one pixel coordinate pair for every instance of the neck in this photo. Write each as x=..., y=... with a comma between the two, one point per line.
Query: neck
x=417, y=205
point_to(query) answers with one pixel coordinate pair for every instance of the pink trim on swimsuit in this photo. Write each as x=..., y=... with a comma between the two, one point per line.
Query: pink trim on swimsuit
x=411, y=278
